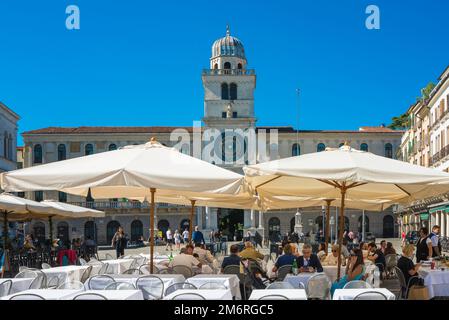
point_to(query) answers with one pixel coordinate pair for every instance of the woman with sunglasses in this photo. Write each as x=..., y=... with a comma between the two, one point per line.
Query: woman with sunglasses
x=355, y=270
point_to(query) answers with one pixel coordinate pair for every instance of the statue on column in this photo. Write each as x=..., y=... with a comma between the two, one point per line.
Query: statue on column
x=298, y=223
x=229, y=111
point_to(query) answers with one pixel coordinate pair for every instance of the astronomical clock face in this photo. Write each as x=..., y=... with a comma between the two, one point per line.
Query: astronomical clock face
x=231, y=147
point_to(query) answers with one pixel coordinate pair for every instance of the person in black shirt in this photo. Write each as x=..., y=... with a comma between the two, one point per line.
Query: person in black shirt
x=408, y=268
x=423, y=246
x=233, y=259
x=376, y=256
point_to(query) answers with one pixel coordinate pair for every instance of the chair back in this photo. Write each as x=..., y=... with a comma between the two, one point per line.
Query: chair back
x=27, y=296
x=109, y=257
x=176, y=286
x=152, y=287
x=145, y=269
x=54, y=281
x=283, y=271
x=72, y=285
x=400, y=277
x=86, y=274
x=357, y=284
x=318, y=287
x=274, y=297
x=45, y=265
x=184, y=270
x=232, y=269
x=120, y=286
x=104, y=268
x=212, y=285
x=371, y=295
x=189, y=296
x=90, y=296
x=27, y=273
x=132, y=271
x=99, y=282
x=280, y=285
x=5, y=288
x=391, y=260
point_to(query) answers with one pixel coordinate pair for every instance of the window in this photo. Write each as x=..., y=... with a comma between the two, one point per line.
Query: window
x=227, y=65
x=320, y=147
x=223, y=114
x=239, y=66
x=364, y=147
x=389, y=151
x=88, y=149
x=216, y=66
x=62, y=196
x=136, y=230
x=274, y=229
x=163, y=226
x=37, y=153
x=5, y=145
x=61, y=152
x=233, y=91
x=38, y=196
x=10, y=157
x=224, y=91
x=112, y=146
x=90, y=230
x=234, y=114
x=296, y=150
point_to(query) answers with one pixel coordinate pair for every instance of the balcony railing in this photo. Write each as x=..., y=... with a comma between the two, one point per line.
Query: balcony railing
x=438, y=120
x=229, y=72
x=439, y=155
x=103, y=205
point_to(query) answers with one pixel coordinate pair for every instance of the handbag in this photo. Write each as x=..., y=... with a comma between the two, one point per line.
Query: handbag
x=418, y=292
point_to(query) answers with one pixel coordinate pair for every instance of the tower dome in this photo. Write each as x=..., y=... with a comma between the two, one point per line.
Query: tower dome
x=228, y=46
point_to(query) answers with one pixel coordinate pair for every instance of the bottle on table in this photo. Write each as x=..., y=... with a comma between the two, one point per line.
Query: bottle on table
x=295, y=267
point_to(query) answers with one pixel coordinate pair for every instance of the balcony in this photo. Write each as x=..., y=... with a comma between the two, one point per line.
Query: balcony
x=440, y=155
x=440, y=118
x=104, y=205
x=229, y=72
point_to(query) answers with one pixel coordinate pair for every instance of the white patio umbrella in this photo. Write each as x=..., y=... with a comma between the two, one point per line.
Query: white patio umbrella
x=346, y=173
x=128, y=172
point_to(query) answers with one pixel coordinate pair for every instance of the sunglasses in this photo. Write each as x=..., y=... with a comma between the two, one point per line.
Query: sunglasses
x=334, y=250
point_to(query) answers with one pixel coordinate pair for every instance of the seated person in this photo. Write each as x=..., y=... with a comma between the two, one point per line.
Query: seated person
x=250, y=253
x=321, y=252
x=309, y=262
x=232, y=259
x=376, y=256
x=364, y=247
x=186, y=258
x=408, y=268
x=204, y=256
x=332, y=259
x=389, y=249
x=355, y=270
x=286, y=259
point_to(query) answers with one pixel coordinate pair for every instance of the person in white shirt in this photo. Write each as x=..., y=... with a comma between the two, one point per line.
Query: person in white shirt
x=332, y=259
x=204, y=256
x=186, y=259
x=169, y=236
x=185, y=236
x=177, y=237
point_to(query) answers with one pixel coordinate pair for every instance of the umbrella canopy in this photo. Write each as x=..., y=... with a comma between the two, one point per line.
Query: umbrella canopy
x=129, y=172
x=346, y=172
x=69, y=211
x=18, y=208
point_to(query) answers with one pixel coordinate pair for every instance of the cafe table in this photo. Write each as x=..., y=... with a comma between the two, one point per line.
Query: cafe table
x=290, y=294
x=66, y=273
x=208, y=294
x=230, y=281
x=437, y=281
x=350, y=294
x=47, y=294
x=18, y=284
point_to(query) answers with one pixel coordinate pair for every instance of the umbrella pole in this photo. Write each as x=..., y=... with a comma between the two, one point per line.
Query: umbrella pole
x=5, y=231
x=343, y=189
x=152, y=190
x=50, y=226
x=192, y=210
x=328, y=212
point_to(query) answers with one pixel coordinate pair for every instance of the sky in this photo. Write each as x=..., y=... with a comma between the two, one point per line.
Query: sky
x=139, y=63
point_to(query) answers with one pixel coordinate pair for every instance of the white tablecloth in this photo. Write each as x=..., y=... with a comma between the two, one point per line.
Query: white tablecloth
x=437, y=281
x=350, y=294
x=231, y=281
x=117, y=265
x=113, y=294
x=168, y=279
x=66, y=273
x=219, y=294
x=291, y=294
x=48, y=294
x=18, y=284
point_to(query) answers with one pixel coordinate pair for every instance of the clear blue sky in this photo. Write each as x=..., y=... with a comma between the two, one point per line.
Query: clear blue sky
x=138, y=63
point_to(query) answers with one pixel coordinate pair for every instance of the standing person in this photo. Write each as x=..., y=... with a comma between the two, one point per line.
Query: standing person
x=119, y=242
x=424, y=248
x=436, y=244
x=197, y=236
x=212, y=236
x=403, y=238
x=185, y=235
x=169, y=236
x=177, y=237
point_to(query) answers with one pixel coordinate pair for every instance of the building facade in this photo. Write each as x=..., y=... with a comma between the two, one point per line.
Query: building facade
x=229, y=112
x=8, y=138
x=426, y=143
